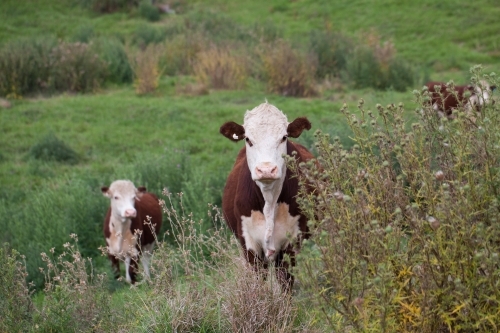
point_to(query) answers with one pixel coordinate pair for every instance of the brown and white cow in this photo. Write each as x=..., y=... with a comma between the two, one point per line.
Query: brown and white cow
x=259, y=200
x=444, y=99
x=127, y=235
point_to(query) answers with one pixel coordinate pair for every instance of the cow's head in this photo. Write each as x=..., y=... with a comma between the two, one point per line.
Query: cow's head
x=123, y=194
x=481, y=95
x=266, y=131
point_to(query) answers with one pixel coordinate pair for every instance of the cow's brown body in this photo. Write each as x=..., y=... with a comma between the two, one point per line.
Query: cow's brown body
x=446, y=101
x=147, y=205
x=242, y=196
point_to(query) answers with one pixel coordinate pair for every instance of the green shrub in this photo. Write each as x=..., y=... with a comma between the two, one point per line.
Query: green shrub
x=375, y=64
x=405, y=223
x=83, y=34
x=332, y=51
x=15, y=301
x=148, y=11
x=25, y=66
x=146, y=34
x=51, y=149
x=112, y=52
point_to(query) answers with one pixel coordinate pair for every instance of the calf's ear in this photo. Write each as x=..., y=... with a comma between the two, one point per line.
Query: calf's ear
x=140, y=191
x=296, y=127
x=105, y=191
x=232, y=131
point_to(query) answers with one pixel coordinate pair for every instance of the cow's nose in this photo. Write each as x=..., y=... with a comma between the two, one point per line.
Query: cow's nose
x=130, y=213
x=266, y=171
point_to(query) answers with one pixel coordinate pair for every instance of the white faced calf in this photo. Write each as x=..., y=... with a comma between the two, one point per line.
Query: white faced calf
x=131, y=225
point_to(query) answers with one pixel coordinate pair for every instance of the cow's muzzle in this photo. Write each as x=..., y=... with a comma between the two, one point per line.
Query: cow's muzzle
x=266, y=172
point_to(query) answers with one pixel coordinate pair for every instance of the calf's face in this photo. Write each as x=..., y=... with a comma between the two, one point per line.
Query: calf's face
x=123, y=194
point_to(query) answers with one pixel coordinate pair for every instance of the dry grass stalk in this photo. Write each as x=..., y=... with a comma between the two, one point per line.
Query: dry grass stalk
x=146, y=67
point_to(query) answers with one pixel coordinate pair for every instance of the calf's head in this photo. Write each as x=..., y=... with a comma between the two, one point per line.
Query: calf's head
x=123, y=194
x=265, y=130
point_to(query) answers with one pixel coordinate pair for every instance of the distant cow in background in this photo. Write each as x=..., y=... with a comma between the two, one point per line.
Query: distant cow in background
x=126, y=234
x=444, y=99
x=259, y=199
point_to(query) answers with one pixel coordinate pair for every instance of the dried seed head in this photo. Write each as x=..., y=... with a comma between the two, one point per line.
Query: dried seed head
x=439, y=175
x=339, y=196
x=433, y=222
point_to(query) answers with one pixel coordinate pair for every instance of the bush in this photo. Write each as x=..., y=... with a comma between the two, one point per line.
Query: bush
x=180, y=53
x=76, y=67
x=220, y=68
x=148, y=11
x=112, y=52
x=51, y=149
x=25, y=66
x=405, y=224
x=146, y=34
x=375, y=64
x=332, y=52
x=288, y=72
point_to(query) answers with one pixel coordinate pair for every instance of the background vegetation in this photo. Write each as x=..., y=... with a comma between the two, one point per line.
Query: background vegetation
x=100, y=90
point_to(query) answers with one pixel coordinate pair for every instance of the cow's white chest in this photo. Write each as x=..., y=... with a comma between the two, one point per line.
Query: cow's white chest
x=286, y=229
x=121, y=241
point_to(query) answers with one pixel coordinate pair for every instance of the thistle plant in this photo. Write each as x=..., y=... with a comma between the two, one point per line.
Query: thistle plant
x=404, y=225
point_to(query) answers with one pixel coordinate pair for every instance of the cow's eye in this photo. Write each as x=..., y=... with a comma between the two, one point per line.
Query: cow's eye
x=284, y=138
x=249, y=142
x=116, y=197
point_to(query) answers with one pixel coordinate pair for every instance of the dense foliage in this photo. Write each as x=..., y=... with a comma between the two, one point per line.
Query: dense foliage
x=405, y=222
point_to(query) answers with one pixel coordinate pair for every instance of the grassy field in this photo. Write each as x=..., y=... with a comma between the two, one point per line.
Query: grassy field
x=167, y=139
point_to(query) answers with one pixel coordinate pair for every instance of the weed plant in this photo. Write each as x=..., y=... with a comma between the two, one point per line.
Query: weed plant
x=220, y=68
x=404, y=224
x=75, y=299
x=288, y=71
x=15, y=299
x=146, y=67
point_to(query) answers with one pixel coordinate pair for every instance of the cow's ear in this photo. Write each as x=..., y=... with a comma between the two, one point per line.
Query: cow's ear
x=232, y=131
x=296, y=127
x=105, y=191
x=140, y=191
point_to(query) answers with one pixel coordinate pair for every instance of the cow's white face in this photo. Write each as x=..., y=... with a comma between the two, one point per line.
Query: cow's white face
x=481, y=96
x=123, y=194
x=266, y=135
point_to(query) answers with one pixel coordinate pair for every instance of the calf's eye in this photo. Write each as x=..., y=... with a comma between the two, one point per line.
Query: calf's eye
x=284, y=138
x=249, y=142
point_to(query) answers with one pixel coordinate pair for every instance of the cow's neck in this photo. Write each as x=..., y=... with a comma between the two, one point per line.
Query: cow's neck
x=119, y=228
x=271, y=193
